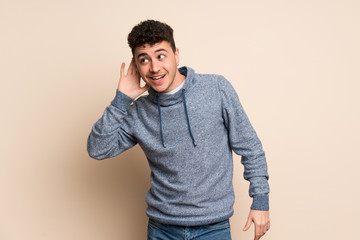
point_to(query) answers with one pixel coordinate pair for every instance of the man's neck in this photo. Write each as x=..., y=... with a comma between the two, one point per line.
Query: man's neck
x=176, y=89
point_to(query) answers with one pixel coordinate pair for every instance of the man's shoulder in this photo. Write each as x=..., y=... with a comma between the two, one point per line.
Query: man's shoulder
x=209, y=76
x=212, y=80
x=201, y=77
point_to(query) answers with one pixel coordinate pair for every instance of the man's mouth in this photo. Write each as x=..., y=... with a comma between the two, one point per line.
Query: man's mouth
x=157, y=78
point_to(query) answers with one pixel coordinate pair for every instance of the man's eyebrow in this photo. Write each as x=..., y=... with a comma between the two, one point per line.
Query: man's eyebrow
x=160, y=50
x=157, y=50
x=141, y=54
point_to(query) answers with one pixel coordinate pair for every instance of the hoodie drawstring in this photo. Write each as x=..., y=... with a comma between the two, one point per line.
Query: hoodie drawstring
x=187, y=118
x=161, y=127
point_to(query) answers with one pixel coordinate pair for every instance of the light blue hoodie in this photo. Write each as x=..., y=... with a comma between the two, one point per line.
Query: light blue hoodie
x=188, y=138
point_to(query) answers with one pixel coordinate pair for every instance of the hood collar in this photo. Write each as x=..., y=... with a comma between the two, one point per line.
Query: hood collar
x=168, y=100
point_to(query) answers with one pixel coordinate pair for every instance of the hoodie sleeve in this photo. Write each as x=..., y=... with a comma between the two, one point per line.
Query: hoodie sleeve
x=245, y=142
x=111, y=134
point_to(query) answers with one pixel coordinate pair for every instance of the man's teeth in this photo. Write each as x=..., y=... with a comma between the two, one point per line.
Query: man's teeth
x=156, y=78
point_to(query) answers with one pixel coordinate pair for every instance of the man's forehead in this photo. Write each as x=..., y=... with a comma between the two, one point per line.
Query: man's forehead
x=148, y=48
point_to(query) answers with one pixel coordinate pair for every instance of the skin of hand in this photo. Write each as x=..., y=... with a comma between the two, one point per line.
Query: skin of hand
x=129, y=83
x=261, y=221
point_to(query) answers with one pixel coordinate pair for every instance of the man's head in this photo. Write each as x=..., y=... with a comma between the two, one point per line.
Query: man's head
x=155, y=55
x=150, y=32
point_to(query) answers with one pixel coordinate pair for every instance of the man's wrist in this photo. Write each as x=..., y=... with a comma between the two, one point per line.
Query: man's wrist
x=260, y=202
x=121, y=100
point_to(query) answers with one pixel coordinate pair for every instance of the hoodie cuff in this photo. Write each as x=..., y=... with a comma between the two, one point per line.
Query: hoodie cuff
x=121, y=101
x=260, y=202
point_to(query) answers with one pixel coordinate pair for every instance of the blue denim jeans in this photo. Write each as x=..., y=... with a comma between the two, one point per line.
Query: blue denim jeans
x=217, y=231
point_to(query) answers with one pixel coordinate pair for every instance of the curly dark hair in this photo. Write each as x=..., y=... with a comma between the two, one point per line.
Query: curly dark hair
x=150, y=32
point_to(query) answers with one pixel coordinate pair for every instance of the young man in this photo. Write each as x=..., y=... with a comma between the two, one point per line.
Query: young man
x=188, y=125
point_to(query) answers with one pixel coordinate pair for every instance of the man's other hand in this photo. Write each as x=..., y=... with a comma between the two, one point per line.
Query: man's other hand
x=261, y=221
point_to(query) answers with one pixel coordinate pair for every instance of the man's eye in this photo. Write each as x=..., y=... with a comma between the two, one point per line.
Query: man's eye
x=143, y=60
x=161, y=56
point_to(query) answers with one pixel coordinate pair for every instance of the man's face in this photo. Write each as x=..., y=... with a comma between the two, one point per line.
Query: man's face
x=157, y=65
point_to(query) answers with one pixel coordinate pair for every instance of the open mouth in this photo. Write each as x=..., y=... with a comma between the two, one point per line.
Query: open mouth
x=157, y=78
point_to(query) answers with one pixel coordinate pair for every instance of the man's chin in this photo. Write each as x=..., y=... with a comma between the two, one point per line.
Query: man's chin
x=159, y=89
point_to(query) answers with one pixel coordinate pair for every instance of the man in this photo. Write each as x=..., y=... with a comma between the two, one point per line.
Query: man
x=188, y=125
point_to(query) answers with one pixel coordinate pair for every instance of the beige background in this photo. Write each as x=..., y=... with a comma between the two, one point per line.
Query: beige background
x=294, y=64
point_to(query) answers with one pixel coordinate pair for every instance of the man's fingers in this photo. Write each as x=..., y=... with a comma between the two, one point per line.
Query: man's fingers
x=260, y=230
x=135, y=68
x=130, y=68
x=248, y=224
x=267, y=227
x=122, y=68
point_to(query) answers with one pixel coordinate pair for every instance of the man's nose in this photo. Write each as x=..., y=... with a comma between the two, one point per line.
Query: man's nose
x=154, y=67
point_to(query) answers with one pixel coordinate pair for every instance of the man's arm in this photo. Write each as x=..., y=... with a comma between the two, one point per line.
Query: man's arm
x=245, y=142
x=111, y=134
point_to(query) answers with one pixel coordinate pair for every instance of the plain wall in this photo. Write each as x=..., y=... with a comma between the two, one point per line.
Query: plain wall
x=294, y=64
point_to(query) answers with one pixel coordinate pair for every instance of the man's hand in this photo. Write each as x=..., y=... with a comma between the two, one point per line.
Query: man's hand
x=129, y=83
x=261, y=220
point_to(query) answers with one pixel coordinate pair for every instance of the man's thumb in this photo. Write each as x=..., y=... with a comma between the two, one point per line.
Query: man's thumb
x=248, y=224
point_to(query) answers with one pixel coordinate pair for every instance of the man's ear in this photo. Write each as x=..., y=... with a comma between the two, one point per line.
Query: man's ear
x=177, y=56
